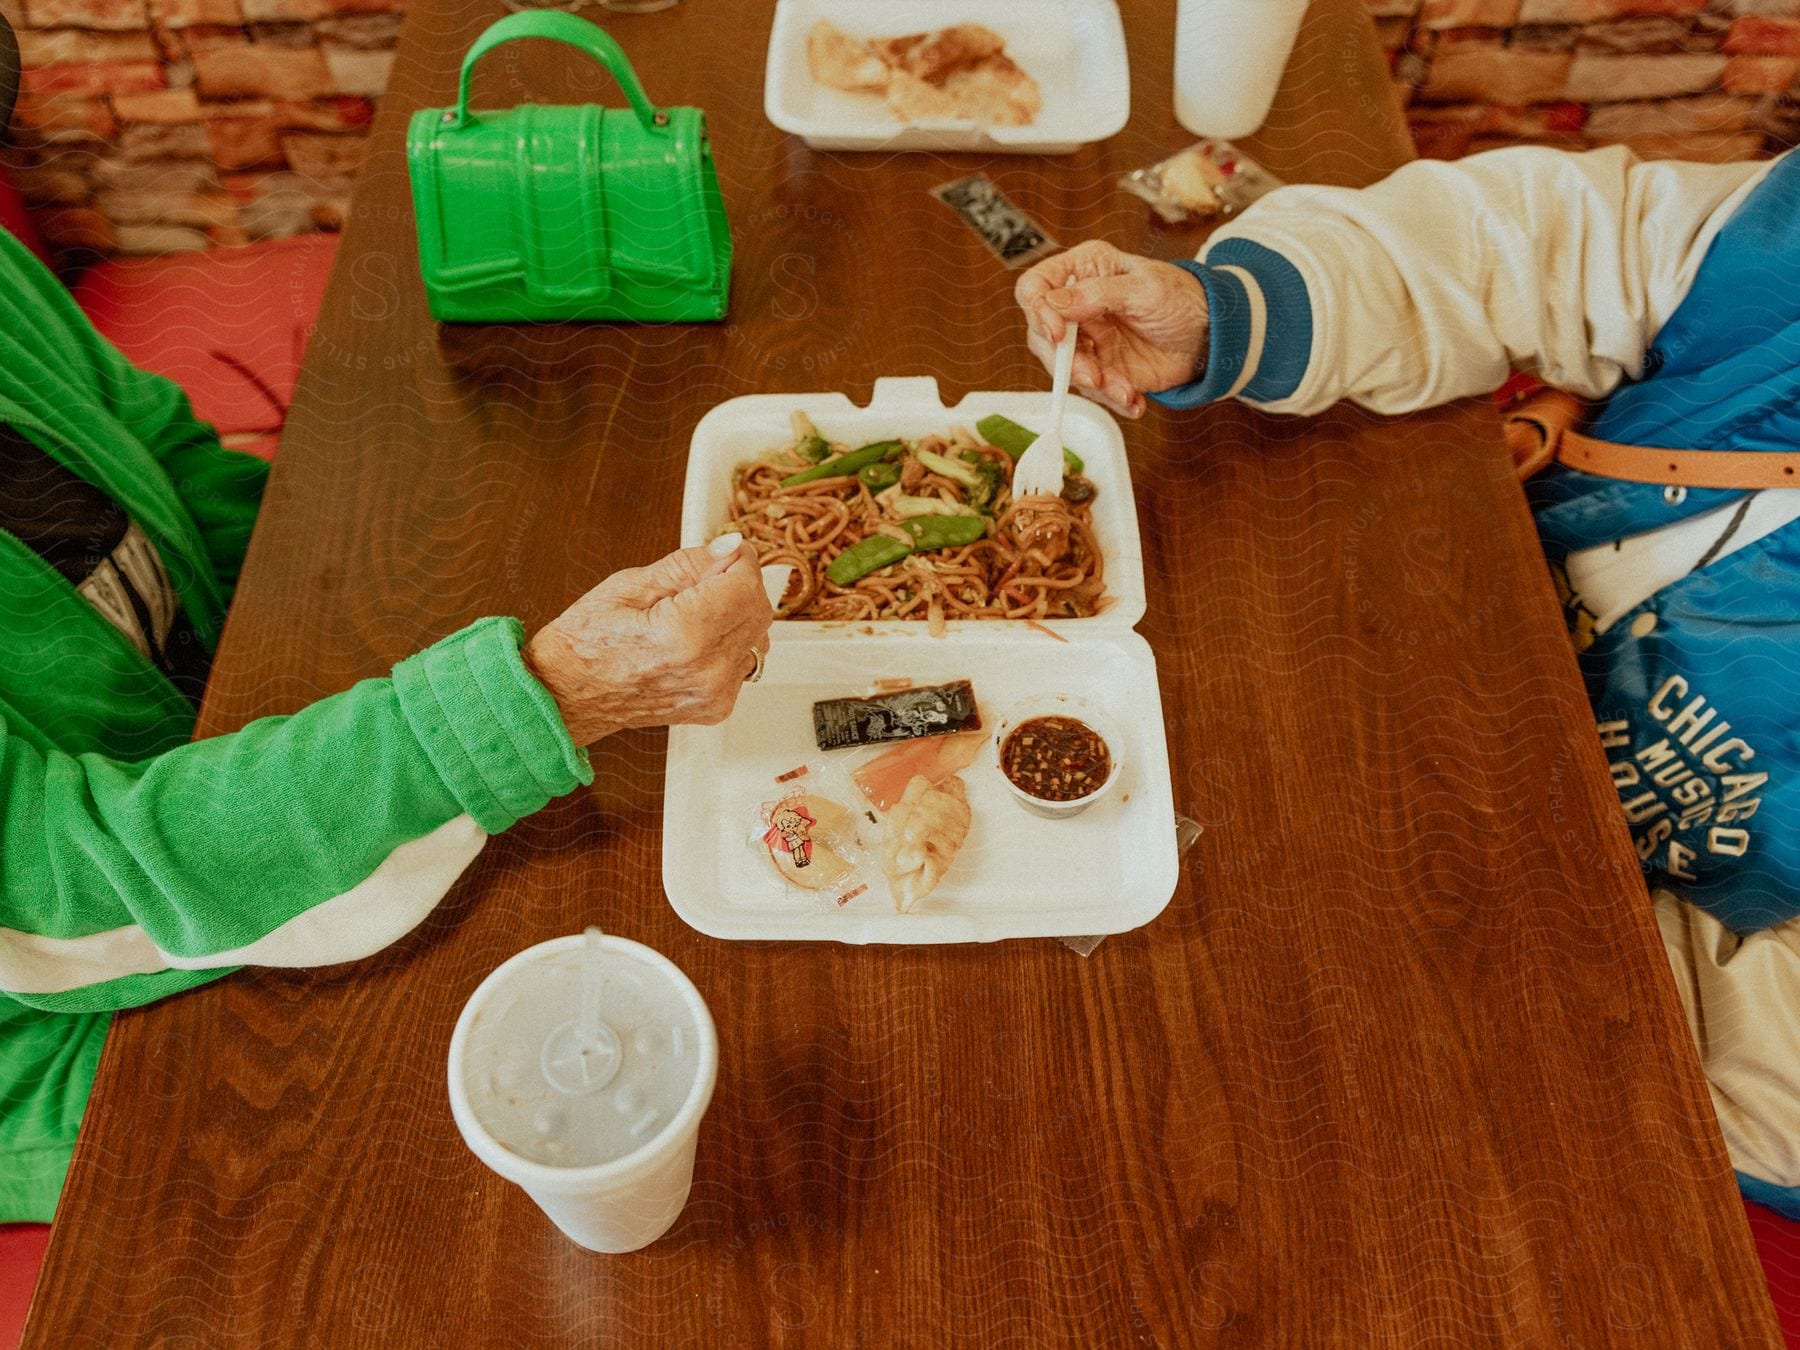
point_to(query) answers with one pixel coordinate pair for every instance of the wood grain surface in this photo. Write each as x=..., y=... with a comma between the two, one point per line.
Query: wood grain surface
x=1401, y=1064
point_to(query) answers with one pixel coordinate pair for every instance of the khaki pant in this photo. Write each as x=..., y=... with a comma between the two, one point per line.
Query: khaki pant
x=1742, y=998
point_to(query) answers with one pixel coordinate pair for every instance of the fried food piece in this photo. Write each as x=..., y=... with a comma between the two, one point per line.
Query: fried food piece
x=842, y=62
x=959, y=73
x=913, y=100
x=925, y=831
x=934, y=57
x=986, y=94
x=996, y=93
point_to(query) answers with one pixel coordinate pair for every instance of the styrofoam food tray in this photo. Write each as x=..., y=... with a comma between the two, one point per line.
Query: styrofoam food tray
x=1018, y=875
x=1107, y=870
x=1074, y=49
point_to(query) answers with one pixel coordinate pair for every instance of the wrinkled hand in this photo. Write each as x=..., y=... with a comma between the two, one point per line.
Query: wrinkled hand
x=659, y=645
x=1143, y=322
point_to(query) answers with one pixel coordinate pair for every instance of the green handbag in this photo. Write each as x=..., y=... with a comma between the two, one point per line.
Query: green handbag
x=554, y=213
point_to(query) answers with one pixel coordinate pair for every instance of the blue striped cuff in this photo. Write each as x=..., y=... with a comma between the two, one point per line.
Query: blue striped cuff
x=1260, y=319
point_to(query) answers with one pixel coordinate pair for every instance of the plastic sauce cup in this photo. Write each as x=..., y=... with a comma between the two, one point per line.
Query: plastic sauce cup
x=598, y=1129
x=1062, y=705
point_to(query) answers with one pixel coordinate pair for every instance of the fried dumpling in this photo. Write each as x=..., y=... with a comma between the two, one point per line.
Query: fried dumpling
x=914, y=100
x=925, y=830
x=996, y=93
x=958, y=73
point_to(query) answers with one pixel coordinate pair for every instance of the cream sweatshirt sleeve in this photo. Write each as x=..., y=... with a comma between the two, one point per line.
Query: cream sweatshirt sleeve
x=1438, y=281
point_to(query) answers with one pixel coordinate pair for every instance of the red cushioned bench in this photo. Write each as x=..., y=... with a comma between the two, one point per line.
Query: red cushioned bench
x=1778, y=1244
x=229, y=326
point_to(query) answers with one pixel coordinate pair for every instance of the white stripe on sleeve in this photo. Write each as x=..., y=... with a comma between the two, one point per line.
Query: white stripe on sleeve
x=382, y=908
x=1259, y=327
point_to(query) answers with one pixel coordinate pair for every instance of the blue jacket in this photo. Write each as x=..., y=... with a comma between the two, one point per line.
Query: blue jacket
x=1694, y=690
x=1699, y=713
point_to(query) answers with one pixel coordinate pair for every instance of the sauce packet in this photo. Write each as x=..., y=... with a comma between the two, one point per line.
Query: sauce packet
x=897, y=715
x=1010, y=235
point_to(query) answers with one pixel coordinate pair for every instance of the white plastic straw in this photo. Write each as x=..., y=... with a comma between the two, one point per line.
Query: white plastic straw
x=591, y=1028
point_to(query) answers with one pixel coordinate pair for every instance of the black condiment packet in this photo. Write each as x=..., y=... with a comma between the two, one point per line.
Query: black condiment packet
x=1015, y=238
x=932, y=710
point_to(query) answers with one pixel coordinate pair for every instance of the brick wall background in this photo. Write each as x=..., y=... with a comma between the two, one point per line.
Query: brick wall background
x=1689, y=79
x=149, y=126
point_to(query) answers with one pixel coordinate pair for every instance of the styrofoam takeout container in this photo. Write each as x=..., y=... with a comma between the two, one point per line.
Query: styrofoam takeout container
x=1074, y=49
x=1110, y=869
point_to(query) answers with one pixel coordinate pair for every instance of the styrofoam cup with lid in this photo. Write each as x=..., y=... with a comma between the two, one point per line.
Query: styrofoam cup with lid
x=593, y=1112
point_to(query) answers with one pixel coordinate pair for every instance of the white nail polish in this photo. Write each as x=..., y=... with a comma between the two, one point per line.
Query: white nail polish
x=725, y=545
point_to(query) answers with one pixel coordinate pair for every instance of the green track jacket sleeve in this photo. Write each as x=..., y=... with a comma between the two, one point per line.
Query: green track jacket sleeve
x=297, y=841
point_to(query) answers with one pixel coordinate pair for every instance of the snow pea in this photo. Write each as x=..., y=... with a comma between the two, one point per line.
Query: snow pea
x=880, y=550
x=813, y=449
x=1013, y=438
x=842, y=466
x=875, y=477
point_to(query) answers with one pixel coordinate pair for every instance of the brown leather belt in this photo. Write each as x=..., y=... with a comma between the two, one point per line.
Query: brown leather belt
x=1540, y=429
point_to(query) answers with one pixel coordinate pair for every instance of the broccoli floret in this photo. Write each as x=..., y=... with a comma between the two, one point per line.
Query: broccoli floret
x=992, y=479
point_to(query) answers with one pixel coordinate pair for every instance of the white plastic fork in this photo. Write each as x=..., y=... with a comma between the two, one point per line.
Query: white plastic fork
x=775, y=578
x=1039, y=471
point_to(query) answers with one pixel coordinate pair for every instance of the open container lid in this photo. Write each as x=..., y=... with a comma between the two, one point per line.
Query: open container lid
x=747, y=428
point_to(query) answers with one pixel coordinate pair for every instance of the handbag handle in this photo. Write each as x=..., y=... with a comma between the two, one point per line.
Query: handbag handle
x=559, y=26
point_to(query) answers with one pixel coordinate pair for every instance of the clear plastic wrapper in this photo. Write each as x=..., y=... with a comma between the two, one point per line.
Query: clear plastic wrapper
x=816, y=830
x=881, y=824
x=882, y=773
x=1208, y=179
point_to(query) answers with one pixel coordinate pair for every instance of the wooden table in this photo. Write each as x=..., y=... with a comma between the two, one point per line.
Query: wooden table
x=1401, y=1063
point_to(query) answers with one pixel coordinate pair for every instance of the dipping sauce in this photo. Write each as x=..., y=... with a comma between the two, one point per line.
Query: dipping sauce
x=1055, y=759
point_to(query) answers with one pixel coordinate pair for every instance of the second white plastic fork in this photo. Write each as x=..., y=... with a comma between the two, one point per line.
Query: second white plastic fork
x=1039, y=471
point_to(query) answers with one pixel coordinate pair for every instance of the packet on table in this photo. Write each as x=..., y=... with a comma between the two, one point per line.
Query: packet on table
x=1209, y=178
